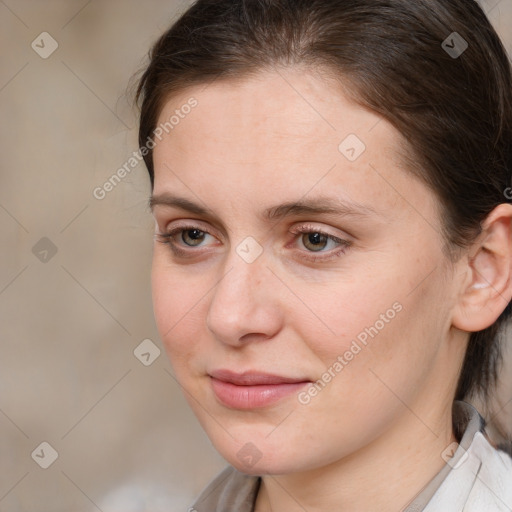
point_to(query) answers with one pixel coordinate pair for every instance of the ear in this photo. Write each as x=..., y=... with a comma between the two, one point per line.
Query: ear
x=487, y=289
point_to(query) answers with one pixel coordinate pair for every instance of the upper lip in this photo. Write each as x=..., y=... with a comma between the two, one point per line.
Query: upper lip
x=253, y=378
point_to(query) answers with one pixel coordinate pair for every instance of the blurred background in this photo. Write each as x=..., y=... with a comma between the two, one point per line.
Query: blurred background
x=91, y=417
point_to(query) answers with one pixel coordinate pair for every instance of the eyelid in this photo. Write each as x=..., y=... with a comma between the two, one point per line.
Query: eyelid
x=312, y=228
x=191, y=224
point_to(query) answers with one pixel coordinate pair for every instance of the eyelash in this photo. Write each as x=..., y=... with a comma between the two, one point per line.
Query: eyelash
x=168, y=239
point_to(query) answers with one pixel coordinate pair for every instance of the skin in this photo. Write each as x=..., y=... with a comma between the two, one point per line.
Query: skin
x=373, y=436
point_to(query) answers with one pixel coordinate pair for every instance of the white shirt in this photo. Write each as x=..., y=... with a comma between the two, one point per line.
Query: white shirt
x=477, y=478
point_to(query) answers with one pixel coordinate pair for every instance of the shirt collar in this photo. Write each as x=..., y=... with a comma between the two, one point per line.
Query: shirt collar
x=466, y=423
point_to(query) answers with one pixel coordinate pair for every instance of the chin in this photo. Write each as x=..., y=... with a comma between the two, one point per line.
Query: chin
x=261, y=457
x=261, y=467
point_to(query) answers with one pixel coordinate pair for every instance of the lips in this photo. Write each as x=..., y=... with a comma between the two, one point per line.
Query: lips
x=252, y=378
x=252, y=389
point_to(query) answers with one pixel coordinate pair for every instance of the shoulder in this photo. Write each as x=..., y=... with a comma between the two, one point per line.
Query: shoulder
x=493, y=480
x=481, y=480
x=229, y=491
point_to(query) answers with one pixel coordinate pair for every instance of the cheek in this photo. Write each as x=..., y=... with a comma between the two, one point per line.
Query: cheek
x=164, y=298
x=351, y=314
x=381, y=321
x=176, y=306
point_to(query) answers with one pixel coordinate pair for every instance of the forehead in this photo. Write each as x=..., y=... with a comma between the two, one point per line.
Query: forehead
x=291, y=103
x=280, y=132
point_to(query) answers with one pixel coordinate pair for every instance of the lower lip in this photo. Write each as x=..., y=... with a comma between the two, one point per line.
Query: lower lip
x=252, y=397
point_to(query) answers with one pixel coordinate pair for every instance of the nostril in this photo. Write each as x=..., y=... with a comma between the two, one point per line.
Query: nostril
x=256, y=336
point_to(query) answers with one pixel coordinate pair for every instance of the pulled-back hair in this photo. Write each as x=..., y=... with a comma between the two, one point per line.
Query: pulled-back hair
x=405, y=60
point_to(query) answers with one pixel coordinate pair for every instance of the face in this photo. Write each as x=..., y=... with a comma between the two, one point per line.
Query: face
x=297, y=332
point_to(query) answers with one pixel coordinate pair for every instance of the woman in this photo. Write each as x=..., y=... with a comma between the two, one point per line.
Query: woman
x=333, y=260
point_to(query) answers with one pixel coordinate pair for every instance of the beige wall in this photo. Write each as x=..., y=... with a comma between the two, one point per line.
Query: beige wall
x=125, y=439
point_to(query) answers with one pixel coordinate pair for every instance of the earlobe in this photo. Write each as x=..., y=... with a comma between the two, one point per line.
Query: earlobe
x=489, y=271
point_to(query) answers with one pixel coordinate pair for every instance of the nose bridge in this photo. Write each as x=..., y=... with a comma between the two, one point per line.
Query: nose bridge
x=242, y=301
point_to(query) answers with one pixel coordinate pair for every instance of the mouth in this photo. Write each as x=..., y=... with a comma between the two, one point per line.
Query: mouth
x=251, y=389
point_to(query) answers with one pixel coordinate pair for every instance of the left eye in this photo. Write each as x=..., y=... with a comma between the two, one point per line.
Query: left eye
x=191, y=236
x=316, y=240
x=196, y=236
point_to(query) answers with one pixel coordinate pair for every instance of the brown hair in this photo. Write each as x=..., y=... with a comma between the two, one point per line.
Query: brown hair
x=403, y=60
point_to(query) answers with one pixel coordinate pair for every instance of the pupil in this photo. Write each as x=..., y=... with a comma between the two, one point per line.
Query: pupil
x=315, y=241
x=314, y=238
x=190, y=236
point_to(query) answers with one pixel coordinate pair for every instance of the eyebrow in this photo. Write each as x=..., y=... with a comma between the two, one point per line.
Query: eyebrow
x=316, y=206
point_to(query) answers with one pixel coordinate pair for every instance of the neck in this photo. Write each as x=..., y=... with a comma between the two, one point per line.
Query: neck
x=385, y=475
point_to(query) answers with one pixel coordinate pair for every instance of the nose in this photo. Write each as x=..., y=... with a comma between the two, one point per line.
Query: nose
x=245, y=305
